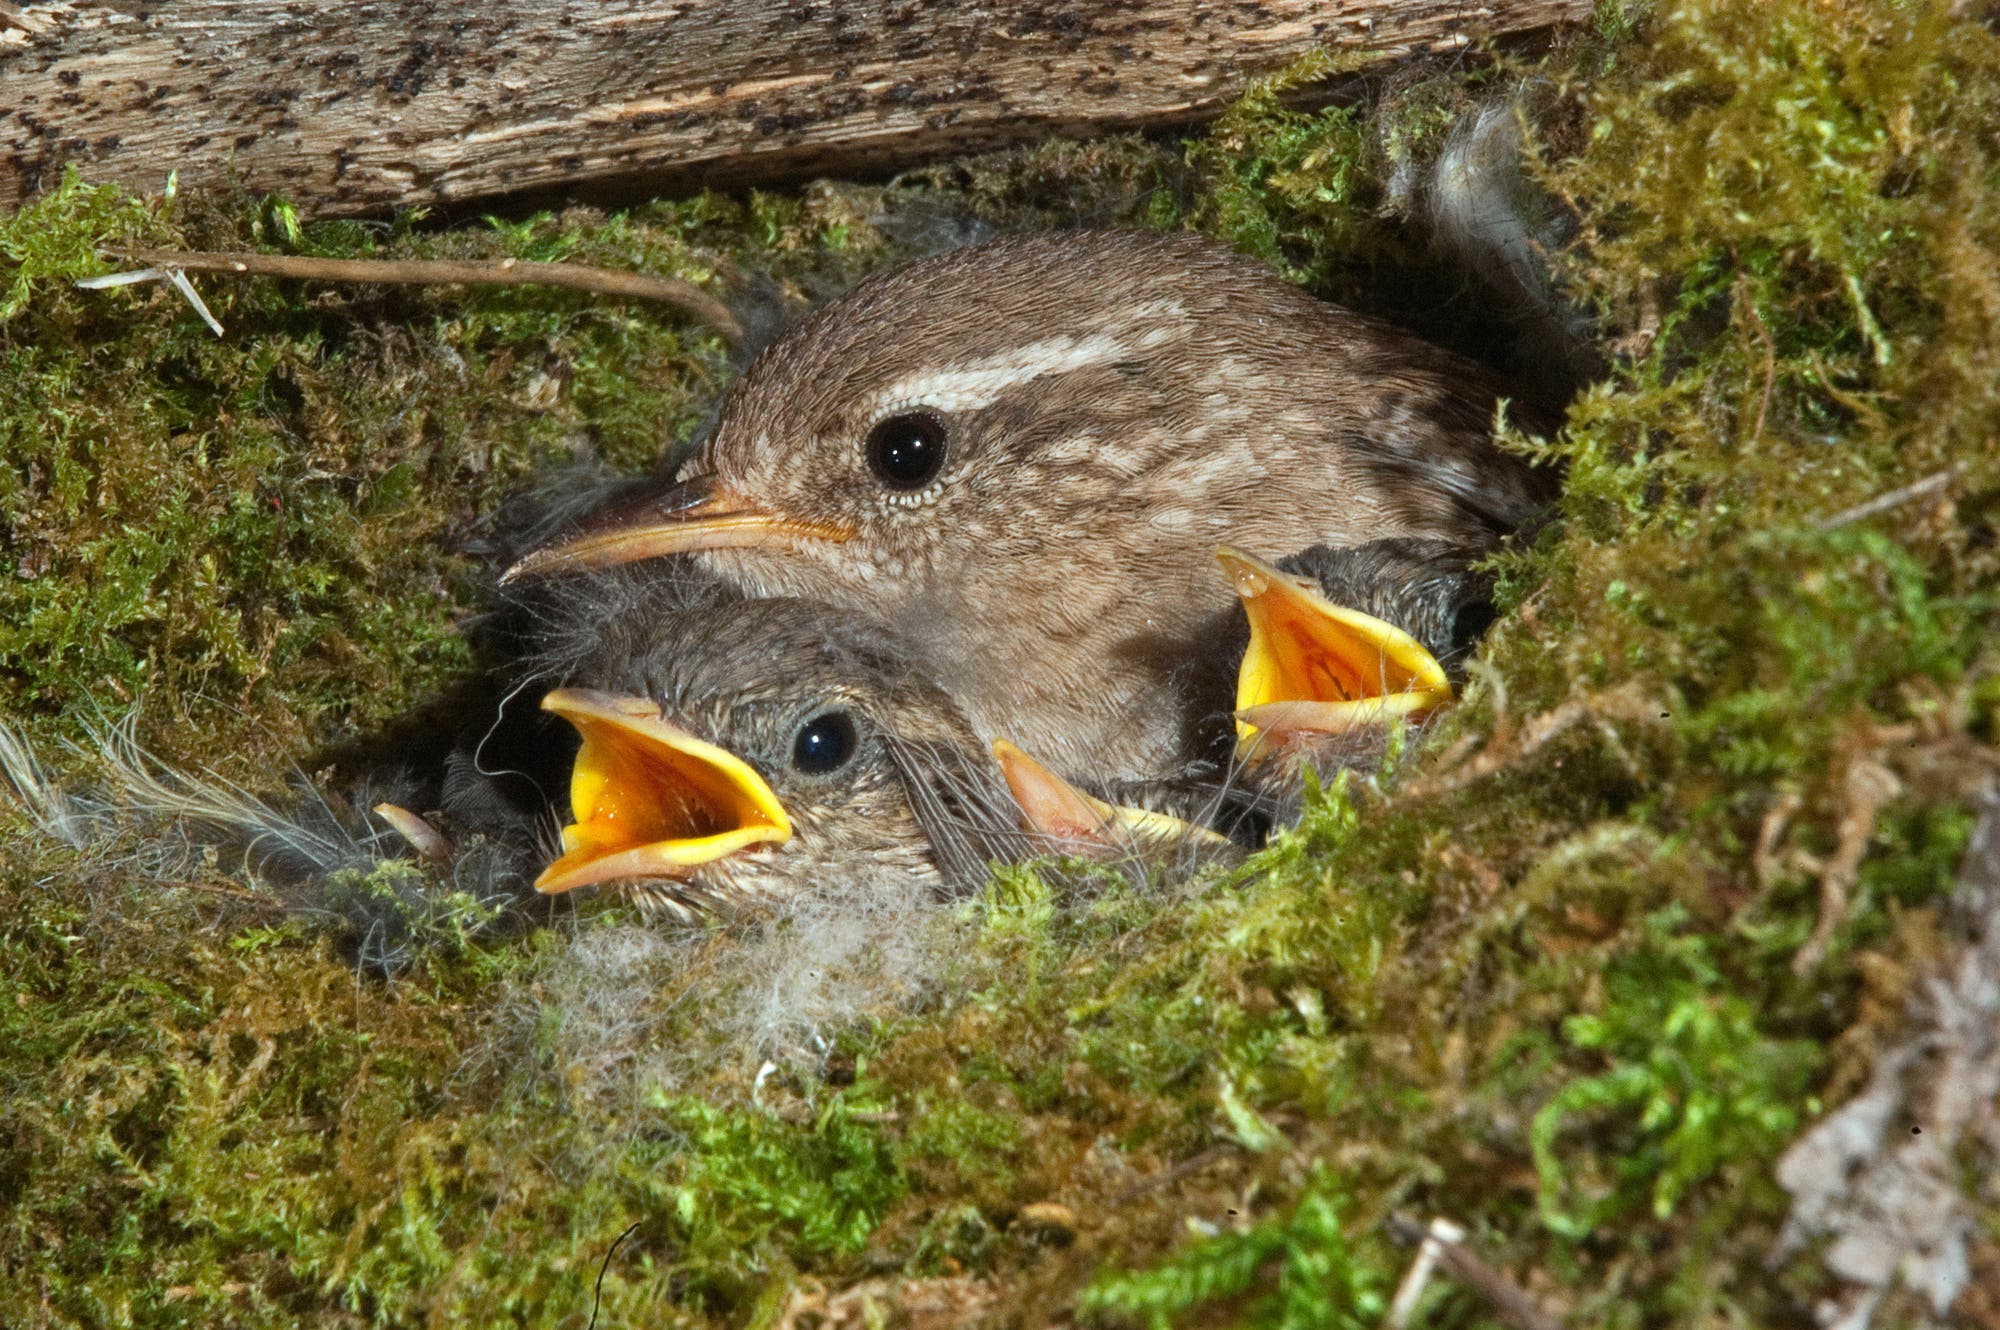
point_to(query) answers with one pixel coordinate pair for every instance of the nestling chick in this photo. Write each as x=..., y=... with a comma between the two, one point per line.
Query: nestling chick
x=989, y=450
x=743, y=750
x=1344, y=643
x=736, y=750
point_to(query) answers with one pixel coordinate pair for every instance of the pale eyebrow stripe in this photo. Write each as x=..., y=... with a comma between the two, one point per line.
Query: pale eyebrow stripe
x=980, y=383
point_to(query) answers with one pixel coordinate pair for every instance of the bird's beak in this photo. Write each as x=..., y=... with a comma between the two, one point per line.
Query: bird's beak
x=1314, y=667
x=650, y=799
x=1052, y=807
x=697, y=514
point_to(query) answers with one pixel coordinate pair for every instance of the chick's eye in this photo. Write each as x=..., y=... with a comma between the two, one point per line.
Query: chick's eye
x=907, y=451
x=1470, y=624
x=823, y=744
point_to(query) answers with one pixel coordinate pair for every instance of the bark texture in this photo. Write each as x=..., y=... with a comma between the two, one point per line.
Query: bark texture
x=352, y=108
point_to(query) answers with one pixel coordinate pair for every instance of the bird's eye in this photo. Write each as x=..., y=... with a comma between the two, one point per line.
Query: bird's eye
x=824, y=744
x=907, y=450
x=1470, y=624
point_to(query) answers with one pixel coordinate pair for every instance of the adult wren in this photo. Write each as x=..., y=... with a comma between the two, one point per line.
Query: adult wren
x=1022, y=455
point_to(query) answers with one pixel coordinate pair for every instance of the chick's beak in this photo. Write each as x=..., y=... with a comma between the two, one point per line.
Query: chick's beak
x=1052, y=807
x=1314, y=667
x=696, y=514
x=650, y=799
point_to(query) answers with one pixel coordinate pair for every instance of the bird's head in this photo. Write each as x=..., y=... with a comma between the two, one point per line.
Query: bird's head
x=758, y=749
x=983, y=404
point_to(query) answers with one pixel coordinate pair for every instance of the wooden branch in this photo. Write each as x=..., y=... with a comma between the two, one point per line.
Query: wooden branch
x=353, y=108
x=686, y=296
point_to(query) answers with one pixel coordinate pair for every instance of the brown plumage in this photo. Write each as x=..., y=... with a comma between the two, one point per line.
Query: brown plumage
x=737, y=751
x=858, y=770
x=1022, y=456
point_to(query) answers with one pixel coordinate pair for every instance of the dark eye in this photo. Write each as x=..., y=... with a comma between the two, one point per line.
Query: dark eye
x=823, y=744
x=907, y=451
x=1471, y=623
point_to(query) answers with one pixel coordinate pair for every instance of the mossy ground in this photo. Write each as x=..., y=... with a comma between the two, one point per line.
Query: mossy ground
x=1548, y=982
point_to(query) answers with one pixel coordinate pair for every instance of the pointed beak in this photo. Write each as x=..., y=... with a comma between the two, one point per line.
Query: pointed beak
x=650, y=800
x=425, y=839
x=1314, y=667
x=1052, y=807
x=696, y=514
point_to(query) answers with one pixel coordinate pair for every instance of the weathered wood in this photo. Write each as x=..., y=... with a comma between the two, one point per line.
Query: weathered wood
x=350, y=107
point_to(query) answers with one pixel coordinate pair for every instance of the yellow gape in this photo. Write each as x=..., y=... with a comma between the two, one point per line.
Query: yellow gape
x=650, y=799
x=1314, y=667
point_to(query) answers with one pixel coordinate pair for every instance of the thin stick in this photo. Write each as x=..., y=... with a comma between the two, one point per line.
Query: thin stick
x=1770, y=346
x=1445, y=1243
x=1882, y=503
x=1871, y=787
x=259, y=899
x=1621, y=703
x=1215, y=1154
x=597, y=1299
x=685, y=296
x=1411, y=1290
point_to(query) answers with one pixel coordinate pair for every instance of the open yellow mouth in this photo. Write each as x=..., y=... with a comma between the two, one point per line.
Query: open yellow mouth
x=694, y=515
x=650, y=799
x=1314, y=667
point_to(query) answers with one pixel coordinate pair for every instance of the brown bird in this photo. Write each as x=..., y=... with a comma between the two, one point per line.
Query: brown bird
x=993, y=449
x=743, y=749
x=737, y=750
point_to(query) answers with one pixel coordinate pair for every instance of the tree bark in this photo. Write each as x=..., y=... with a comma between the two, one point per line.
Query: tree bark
x=351, y=108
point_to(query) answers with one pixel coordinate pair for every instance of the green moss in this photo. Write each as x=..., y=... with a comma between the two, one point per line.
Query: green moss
x=1560, y=1002
x=1320, y=194
x=1295, y=1271
x=1690, y=1073
x=794, y=1195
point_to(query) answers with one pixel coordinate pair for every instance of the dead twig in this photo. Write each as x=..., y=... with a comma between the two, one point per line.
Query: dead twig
x=1770, y=347
x=685, y=296
x=1166, y=1177
x=1634, y=343
x=1505, y=748
x=1442, y=1245
x=1771, y=834
x=1882, y=503
x=597, y=1297
x=1870, y=787
x=262, y=900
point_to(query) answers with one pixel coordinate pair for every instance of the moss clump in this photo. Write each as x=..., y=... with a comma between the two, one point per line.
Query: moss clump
x=1573, y=977
x=273, y=522
x=1293, y=1271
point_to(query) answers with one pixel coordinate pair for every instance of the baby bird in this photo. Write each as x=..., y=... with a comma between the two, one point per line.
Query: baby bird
x=989, y=450
x=1340, y=644
x=736, y=751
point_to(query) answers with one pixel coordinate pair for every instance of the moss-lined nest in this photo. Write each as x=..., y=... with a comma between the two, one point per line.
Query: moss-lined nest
x=1576, y=976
